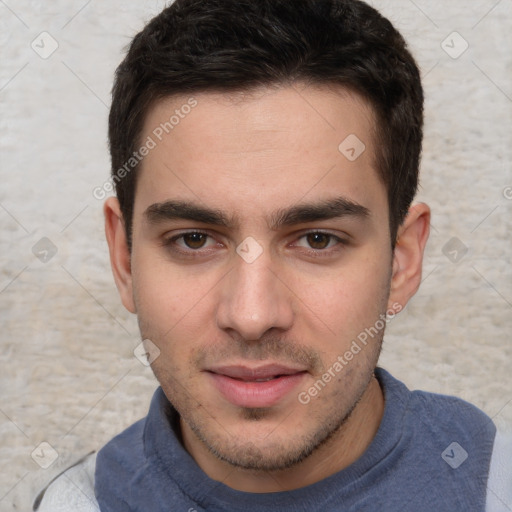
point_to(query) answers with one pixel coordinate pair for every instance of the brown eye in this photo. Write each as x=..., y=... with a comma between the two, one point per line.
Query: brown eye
x=195, y=240
x=318, y=240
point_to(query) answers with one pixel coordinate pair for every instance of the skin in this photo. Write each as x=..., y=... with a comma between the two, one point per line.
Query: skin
x=301, y=302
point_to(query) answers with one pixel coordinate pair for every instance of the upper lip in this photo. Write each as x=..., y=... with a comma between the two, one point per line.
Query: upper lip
x=252, y=373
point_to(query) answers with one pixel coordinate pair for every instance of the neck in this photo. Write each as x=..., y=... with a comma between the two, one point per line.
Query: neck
x=342, y=449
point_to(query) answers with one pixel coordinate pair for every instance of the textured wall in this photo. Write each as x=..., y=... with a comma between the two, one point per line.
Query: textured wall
x=68, y=375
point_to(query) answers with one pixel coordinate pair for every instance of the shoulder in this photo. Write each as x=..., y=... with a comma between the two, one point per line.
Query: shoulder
x=445, y=416
x=71, y=490
x=74, y=489
x=477, y=436
x=435, y=415
x=446, y=406
x=499, y=483
x=124, y=452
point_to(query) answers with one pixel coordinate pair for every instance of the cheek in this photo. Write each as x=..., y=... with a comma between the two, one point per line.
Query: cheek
x=344, y=301
x=175, y=312
x=166, y=293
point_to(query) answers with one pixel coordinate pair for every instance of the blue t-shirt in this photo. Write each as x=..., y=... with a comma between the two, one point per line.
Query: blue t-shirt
x=431, y=453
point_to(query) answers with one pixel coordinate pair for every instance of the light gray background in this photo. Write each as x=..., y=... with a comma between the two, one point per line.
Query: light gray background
x=68, y=375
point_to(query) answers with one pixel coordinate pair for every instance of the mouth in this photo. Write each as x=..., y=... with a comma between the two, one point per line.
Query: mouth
x=254, y=387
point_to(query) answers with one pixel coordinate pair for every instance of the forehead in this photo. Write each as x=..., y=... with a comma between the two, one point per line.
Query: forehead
x=296, y=108
x=250, y=150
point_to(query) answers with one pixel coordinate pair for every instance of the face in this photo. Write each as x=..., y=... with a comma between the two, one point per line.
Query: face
x=261, y=254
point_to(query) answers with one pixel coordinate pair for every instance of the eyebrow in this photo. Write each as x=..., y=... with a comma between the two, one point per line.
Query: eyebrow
x=325, y=210
x=299, y=214
x=173, y=210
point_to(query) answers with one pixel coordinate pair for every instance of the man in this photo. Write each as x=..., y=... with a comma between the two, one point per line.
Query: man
x=265, y=155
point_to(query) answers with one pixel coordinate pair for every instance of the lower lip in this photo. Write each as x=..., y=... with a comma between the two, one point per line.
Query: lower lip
x=256, y=394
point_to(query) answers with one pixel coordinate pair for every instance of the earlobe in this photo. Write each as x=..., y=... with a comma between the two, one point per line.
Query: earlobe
x=119, y=253
x=408, y=254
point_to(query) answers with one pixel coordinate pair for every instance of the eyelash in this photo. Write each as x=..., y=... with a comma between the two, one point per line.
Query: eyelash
x=170, y=243
x=339, y=245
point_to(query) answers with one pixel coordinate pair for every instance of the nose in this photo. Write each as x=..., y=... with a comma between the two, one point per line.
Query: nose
x=254, y=300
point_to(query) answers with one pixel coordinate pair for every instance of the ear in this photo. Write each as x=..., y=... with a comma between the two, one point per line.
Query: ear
x=408, y=254
x=119, y=252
